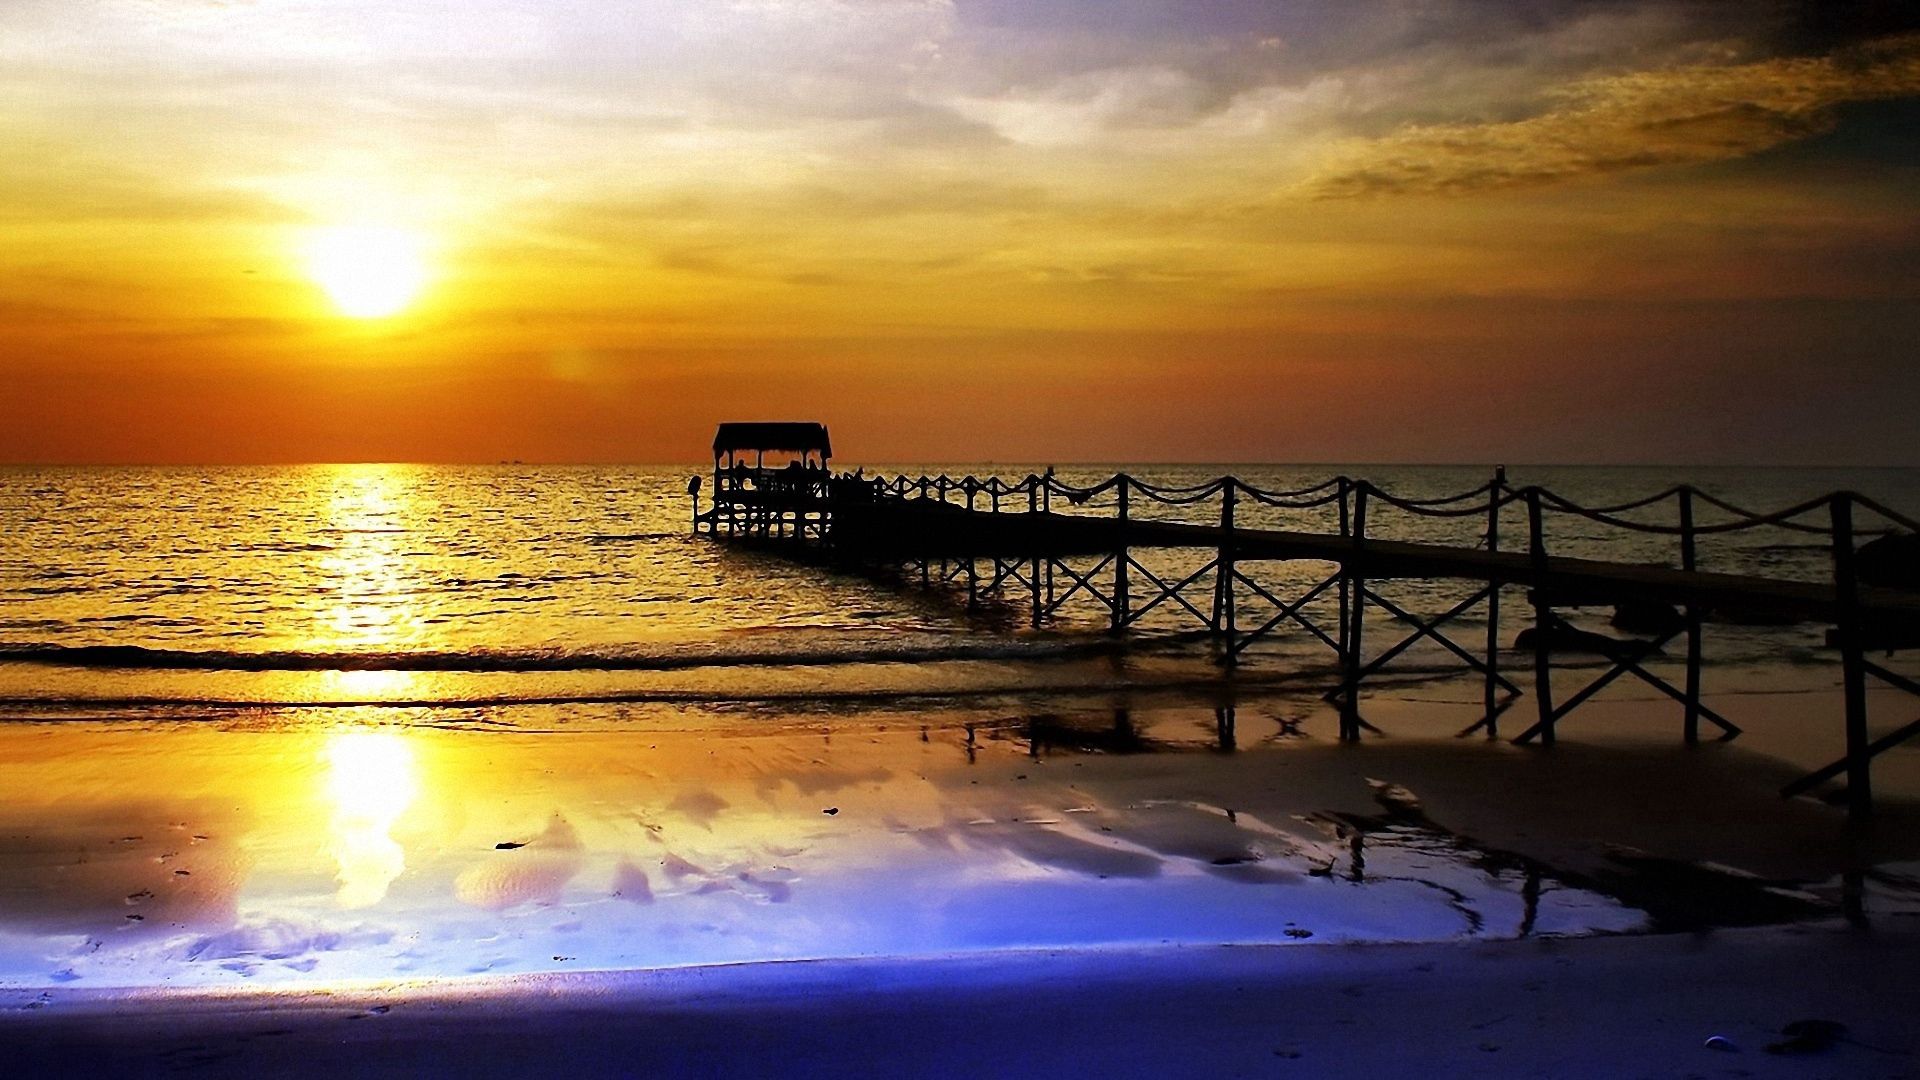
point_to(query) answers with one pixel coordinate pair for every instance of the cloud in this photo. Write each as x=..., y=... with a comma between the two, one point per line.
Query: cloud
x=1084, y=107
x=1610, y=124
x=44, y=182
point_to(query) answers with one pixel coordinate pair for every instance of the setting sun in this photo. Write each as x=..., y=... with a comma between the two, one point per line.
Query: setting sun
x=369, y=272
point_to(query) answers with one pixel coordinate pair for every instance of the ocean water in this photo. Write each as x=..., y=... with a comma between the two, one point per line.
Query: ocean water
x=341, y=584
x=301, y=725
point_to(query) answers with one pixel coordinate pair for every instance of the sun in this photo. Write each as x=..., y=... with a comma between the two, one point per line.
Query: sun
x=368, y=271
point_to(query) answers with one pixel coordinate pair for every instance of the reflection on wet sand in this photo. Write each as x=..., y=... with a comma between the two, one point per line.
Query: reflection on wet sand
x=283, y=852
x=370, y=781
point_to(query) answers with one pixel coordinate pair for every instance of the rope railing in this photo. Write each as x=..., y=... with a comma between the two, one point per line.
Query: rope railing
x=1745, y=514
x=1742, y=517
x=1412, y=504
x=1562, y=503
x=1783, y=519
x=1210, y=488
x=1307, y=498
x=1486, y=501
x=1879, y=508
x=1441, y=508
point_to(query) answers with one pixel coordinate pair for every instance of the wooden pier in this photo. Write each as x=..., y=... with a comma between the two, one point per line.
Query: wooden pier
x=1047, y=542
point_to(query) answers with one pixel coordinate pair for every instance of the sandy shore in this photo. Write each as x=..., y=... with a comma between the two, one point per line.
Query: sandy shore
x=1613, y=1007
x=1013, y=894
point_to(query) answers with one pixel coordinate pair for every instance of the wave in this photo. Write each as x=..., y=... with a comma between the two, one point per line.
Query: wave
x=670, y=658
x=625, y=538
x=162, y=706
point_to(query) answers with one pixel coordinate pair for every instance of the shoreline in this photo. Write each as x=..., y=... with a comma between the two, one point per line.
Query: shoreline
x=1608, y=1005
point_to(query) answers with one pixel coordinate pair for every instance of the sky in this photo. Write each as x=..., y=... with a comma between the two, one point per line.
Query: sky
x=1606, y=231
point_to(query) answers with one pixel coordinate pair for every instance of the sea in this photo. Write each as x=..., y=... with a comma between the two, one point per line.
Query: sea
x=270, y=725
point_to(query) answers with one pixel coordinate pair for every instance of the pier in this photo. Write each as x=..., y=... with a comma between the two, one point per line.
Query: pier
x=1037, y=543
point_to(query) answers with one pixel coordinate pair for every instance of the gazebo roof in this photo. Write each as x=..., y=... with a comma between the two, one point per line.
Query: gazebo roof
x=792, y=438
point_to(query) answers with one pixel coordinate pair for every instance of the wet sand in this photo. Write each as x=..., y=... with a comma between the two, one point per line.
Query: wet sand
x=1594, y=1007
x=944, y=889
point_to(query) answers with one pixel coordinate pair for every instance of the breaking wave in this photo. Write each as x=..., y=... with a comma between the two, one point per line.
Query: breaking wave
x=663, y=658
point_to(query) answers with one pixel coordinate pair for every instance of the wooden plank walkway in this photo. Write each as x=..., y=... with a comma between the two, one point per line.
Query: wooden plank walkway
x=913, y=528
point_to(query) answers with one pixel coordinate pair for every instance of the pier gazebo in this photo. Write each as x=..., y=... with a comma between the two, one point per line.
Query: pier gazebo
x=781, y=498
x=809, y=440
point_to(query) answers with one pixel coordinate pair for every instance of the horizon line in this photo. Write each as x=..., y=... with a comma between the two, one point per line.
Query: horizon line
x=1115, y=463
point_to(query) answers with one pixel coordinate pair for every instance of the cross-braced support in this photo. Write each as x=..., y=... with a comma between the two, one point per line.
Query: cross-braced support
x=984, y=543
x=1850, y=635
x=1080, y=583
x=1430, y=629
x=1284, y=611
x=1866, y=751
x=1629, y=662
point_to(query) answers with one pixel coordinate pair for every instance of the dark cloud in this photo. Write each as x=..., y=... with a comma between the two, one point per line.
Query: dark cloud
x=1818, y=26
x=1683, y=116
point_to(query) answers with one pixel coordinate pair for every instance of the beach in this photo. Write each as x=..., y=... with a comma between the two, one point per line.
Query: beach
x=959, y=538
x=1635, y=1006
x=442, y=816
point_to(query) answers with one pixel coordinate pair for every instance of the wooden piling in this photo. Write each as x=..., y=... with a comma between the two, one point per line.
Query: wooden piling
x=973, y=572
x=1223, y=594
x=1345, y=490
x=1492, y=683
x=1033, y=567
x=1689, y=561
x=1542, y=617
x=1121, y=558
x=1357, y=612
x=1846, y=585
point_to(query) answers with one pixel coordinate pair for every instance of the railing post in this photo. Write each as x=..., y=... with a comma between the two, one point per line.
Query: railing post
x=972, y=487
x=1223, y=598
x=1046, y=507
x=713, y=523
x=1542, y=617
x=1689, y=561
x=1846, y=593
x=1033, y=541
x=1357, y=611
x=1120, y=591
x=994, y=490
x=1492, y=694
x=1344, y=487
x=940, y=491
x=926, y=560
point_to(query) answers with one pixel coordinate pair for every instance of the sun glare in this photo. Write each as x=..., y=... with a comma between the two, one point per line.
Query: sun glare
x=369, y=272
x=371, y=780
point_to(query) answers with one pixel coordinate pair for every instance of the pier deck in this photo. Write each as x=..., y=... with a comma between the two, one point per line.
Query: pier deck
x=910, y=528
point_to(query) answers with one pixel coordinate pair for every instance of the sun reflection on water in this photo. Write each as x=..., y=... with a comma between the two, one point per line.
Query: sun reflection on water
x=371, y=780
x=370, y=684
x=370, y=510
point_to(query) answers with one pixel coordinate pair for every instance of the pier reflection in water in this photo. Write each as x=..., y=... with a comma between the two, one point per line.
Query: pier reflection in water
x=285, y=848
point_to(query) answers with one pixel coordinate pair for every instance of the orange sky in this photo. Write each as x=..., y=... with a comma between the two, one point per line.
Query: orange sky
x=1452, y=231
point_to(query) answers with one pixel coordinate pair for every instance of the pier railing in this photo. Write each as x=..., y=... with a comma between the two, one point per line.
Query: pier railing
x=1349, y=523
